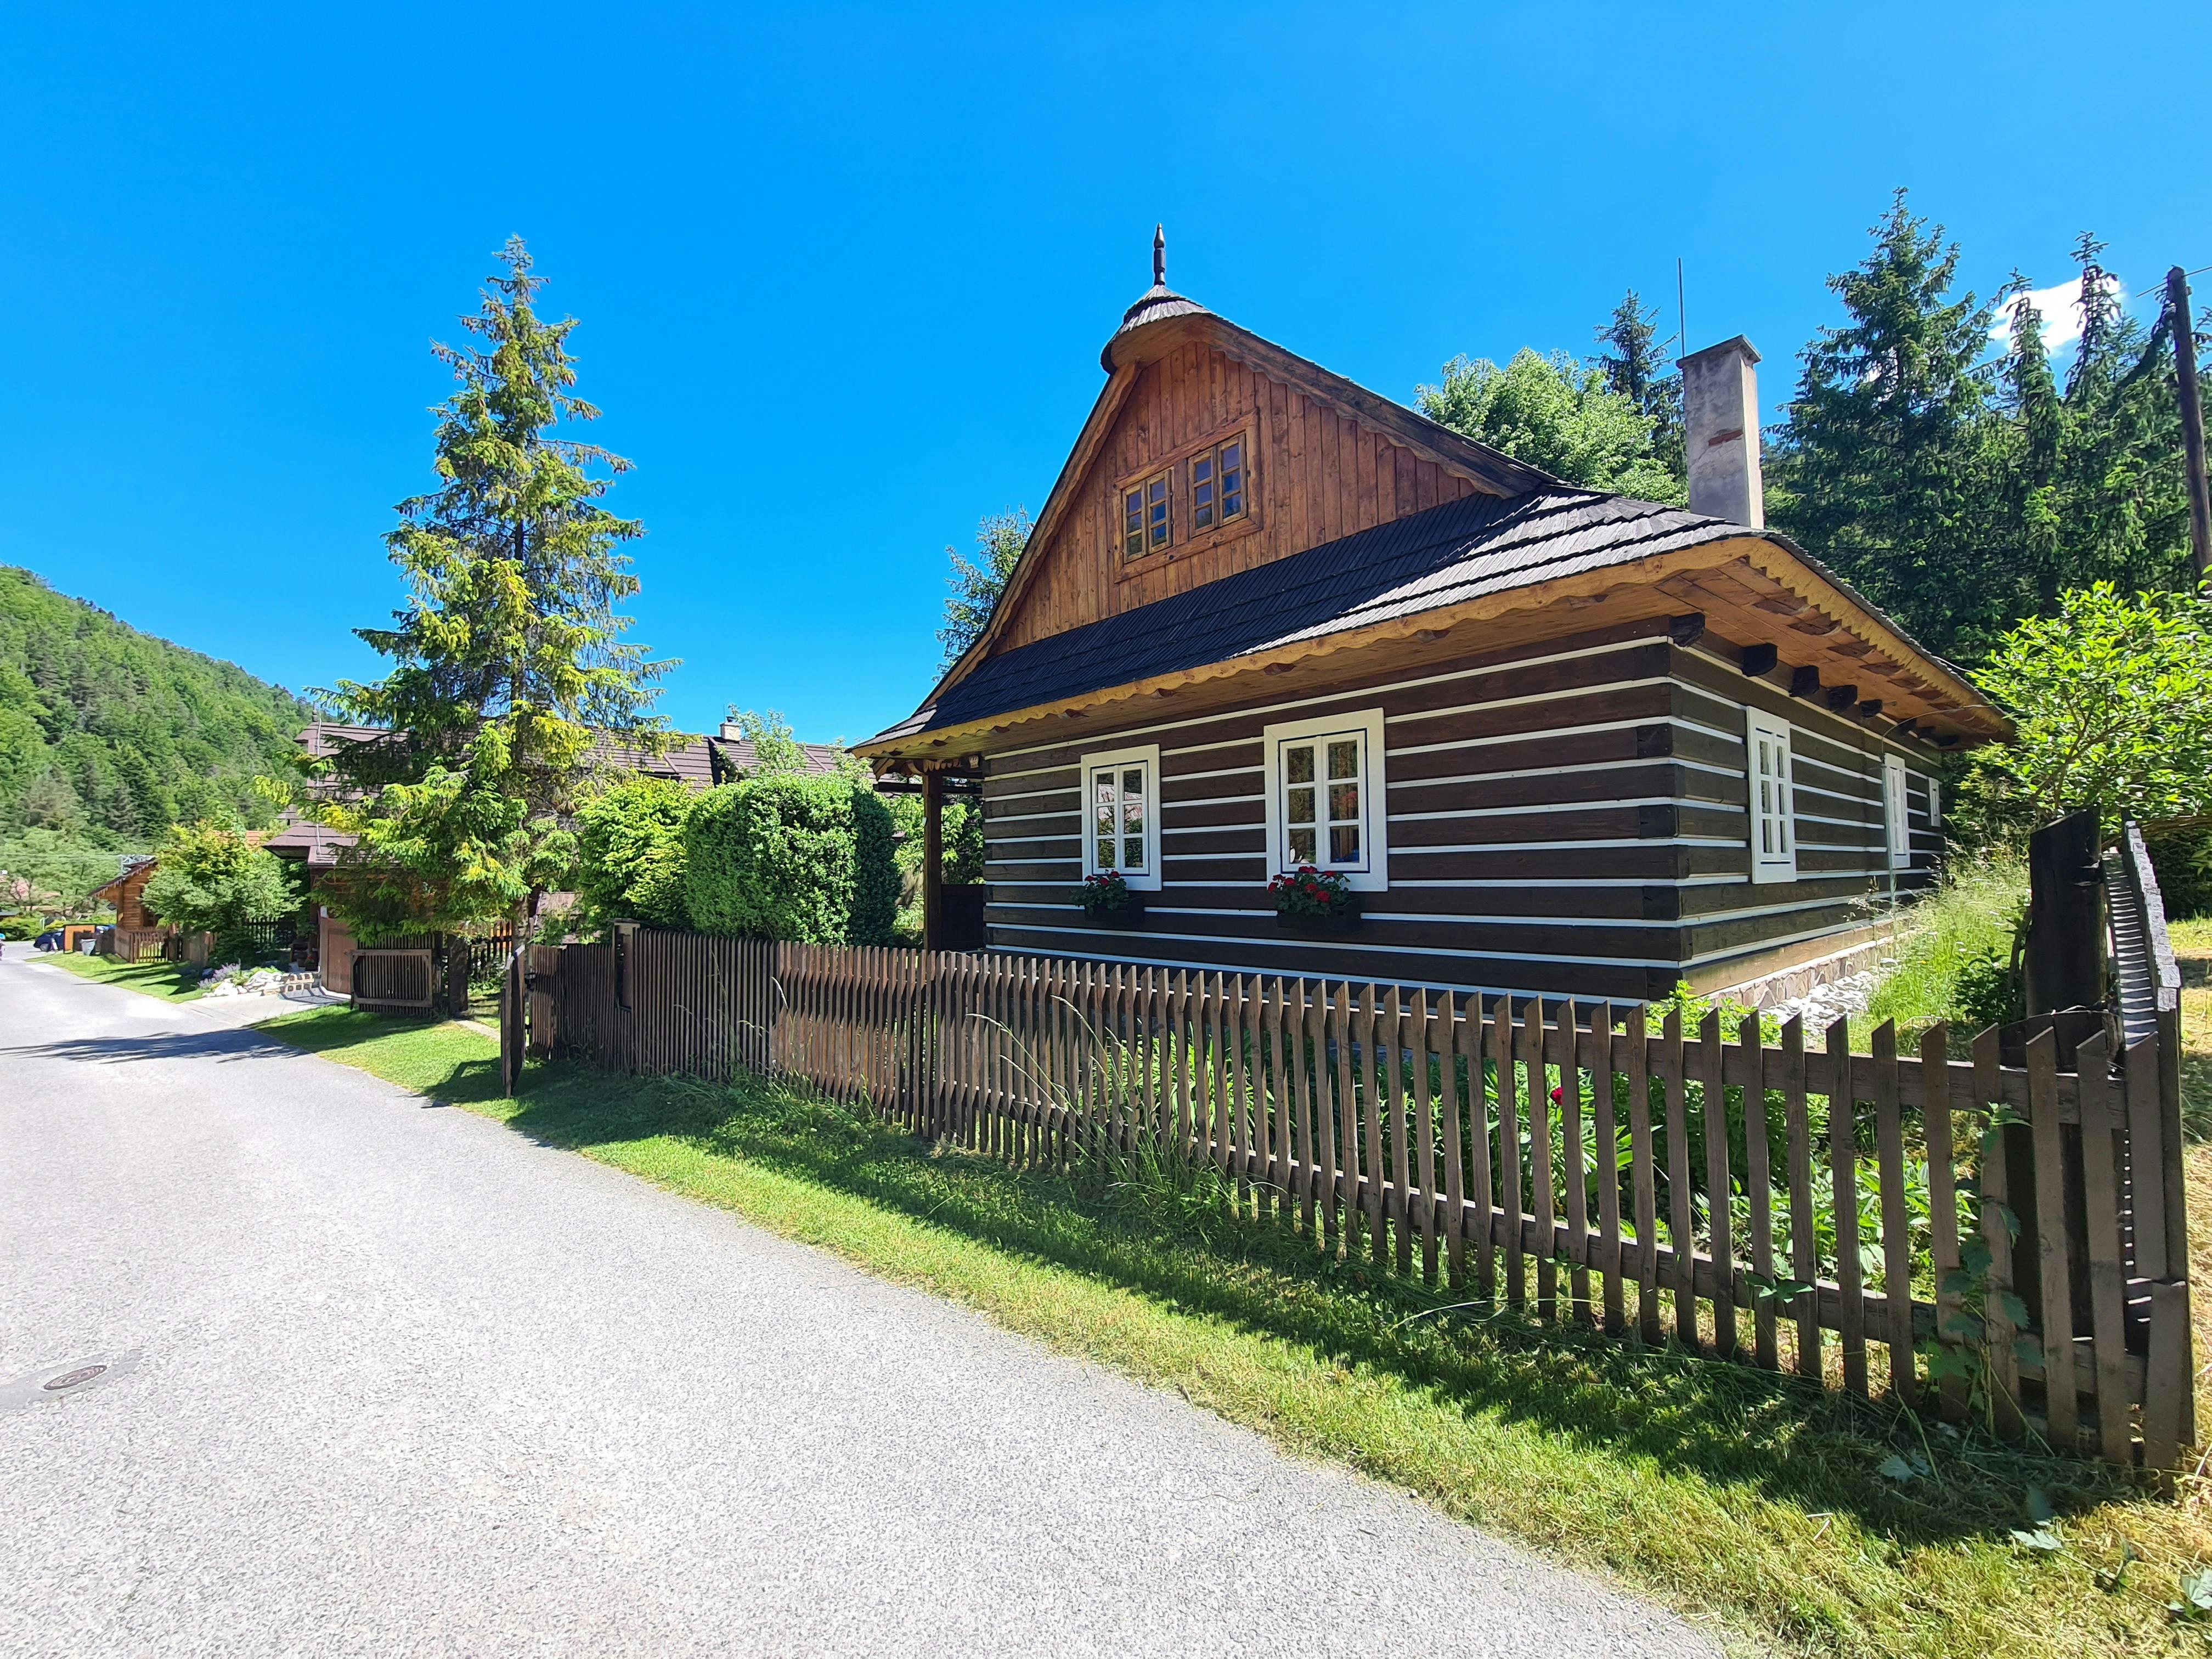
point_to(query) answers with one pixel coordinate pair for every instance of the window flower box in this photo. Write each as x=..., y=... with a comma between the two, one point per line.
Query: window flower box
x=1106, y=900
x=1312, y=901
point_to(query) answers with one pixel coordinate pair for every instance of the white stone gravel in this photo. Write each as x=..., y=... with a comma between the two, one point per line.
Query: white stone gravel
x=404, y=1382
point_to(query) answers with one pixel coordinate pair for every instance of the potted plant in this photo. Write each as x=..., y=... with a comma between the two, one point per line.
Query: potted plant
x=1107, y=901
x=1310, y=901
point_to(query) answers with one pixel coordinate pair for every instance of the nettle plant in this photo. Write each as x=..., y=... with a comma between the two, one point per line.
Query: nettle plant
x=1306, y=891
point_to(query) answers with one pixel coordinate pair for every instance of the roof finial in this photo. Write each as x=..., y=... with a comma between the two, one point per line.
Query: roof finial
x=1160, y=256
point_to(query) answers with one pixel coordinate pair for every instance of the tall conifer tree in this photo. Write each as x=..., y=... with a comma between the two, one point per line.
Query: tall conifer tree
x=1881, y=466
x=1634, y=367
x=509, y=666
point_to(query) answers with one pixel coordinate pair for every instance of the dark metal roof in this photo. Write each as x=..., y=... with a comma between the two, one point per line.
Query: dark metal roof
x=1448, y=555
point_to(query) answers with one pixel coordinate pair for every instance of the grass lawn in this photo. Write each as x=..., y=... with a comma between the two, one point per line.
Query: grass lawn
x=155, y=978
x=1753, y=1503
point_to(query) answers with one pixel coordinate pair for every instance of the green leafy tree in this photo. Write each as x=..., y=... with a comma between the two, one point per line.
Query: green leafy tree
x=1553, y=413
x=1881, y=467
x=1634, y=369
x=217, y=880
x=777, y=751
x=2112, y=702
x=977, y=583
x=629, y=844
x=509, y=663
x=807, y=859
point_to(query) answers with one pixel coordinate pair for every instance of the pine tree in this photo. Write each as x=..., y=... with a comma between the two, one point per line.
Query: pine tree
x=1634, y=370
x=508, y=664
x=1881, y=468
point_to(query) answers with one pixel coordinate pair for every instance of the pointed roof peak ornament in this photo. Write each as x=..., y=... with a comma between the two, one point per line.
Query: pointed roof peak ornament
x=1160, y=256
x=1158, y=303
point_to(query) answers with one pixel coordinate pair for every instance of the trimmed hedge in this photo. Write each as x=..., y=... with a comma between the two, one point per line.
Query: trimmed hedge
x=802, y=858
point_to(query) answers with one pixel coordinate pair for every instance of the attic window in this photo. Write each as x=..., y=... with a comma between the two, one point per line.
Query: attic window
x=1147, y=524
x=1216, y=484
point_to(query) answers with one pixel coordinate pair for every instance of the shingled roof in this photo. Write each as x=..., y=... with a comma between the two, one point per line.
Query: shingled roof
x=1461, y=551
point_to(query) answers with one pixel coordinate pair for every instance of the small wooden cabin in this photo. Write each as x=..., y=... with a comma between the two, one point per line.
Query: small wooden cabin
x=1559, y=741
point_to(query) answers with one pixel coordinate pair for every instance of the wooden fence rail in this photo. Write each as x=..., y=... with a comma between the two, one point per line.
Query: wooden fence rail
x=1673, y=1182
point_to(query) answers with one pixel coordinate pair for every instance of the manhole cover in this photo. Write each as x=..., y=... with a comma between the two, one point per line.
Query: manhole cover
x=63, y=1379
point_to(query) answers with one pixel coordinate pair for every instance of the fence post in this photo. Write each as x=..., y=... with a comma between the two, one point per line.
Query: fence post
x=511, y=1031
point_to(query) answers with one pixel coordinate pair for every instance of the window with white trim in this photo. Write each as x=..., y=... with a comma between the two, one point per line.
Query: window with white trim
x=1773, y=826
x=1324, y=781
x=1122, y=822
x=1896, y=821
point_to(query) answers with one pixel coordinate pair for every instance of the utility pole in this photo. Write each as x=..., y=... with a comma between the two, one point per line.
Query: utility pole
x=2182, y=326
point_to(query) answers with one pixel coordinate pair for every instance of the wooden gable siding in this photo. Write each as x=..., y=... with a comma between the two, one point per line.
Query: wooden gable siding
x=1316, y=474
x=1570, y=818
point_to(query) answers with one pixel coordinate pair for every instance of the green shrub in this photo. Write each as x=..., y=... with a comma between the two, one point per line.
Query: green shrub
x=2183, y=860
x=215, y=880
x=803, y=858
x=630, y=848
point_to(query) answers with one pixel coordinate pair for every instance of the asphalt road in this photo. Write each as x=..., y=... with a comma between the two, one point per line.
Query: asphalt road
x=385, y=1378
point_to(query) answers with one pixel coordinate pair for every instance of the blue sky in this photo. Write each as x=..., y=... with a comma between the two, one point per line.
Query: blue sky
x=844, y=273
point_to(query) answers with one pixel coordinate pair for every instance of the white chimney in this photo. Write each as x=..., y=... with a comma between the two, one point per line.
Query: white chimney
x=1720, y=431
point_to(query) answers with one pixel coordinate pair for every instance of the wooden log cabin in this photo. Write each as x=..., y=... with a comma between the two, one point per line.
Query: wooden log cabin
x=1558, y=741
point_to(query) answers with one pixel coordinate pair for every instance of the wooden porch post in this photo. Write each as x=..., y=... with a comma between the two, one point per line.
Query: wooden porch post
x=933, y=860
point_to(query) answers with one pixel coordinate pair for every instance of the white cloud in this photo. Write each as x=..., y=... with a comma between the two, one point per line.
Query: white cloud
x=2061, y=306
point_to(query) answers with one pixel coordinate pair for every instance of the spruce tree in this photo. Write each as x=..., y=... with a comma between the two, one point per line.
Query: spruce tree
x=509, y=667
x=1634, y=369
x=1881, y=467
x=2123, y=511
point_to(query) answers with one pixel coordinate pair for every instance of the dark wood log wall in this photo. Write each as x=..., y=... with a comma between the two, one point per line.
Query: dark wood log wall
x=1568, y=817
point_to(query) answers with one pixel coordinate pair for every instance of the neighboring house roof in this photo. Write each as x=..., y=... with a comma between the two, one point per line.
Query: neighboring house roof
x=738, y=755
x=142, y=867
x=296, y=838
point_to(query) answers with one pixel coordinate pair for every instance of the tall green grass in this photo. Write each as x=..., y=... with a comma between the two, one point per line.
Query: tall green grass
x=1953, y=964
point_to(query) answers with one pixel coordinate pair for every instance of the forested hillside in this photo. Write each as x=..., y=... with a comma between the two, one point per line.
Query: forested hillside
x=108, y=736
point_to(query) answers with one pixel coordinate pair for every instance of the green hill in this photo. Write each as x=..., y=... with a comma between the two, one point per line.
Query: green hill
x=108, y=736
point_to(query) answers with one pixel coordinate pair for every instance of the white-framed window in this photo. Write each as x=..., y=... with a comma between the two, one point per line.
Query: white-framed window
x=1896, y=825
x=1324, y=781
x=1121, y=808
x=1773, y=824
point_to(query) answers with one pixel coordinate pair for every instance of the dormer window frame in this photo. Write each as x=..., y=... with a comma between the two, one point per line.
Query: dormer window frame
x=1185, y=535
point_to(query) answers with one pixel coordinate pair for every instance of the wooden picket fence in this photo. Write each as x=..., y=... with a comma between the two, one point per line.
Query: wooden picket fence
x=1565, y=1158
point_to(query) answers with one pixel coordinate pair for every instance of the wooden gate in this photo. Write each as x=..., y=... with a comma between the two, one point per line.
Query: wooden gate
x=394, y=981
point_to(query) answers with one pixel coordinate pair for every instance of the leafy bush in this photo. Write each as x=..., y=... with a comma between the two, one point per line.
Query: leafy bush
x=2113, y=703
x=215, y=880
x=803, y=858
x=2183, y=860
x=630, y=846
